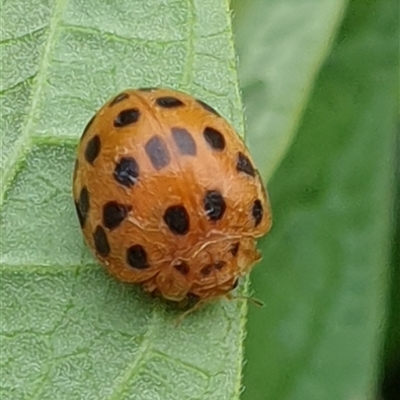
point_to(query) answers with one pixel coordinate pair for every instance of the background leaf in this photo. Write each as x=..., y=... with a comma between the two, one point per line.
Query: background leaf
x=391, y=372
x=68, y=330
x=281, y=45
x=325, y=270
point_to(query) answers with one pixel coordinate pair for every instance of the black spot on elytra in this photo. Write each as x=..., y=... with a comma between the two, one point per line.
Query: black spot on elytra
x=88, y=125
x=177, y=219
x=234, y=249
x=182, y=268
x=193, y=298
x=184, y=141
x=80, y=216
x=114, y=213
x=126, y=171
x=136, y=257
x=243, y=164
x=157, y=152
x=83, y=205
x=219, y=265
x=126, y=117
x=257, y=211
x=101, y=242
x=93, y=149
x=214, y=138
x=169, y=102
x=214, y=205
x=207, y=269
x=208, y=107
x=119, y=98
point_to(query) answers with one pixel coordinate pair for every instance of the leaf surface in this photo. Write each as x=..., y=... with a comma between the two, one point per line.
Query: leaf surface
x=68, y=330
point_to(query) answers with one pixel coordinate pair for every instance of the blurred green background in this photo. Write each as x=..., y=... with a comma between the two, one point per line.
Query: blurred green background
x=331, y=272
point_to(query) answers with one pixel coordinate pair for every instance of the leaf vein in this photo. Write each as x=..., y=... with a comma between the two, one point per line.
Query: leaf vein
x=45, y=269
x=211, y=92
x=12, y=40
x=23, y=143
x=116, y=37
x=184, y=364
x=187, y=77
x=144, y=350
x=28, y=79
x=212, y=56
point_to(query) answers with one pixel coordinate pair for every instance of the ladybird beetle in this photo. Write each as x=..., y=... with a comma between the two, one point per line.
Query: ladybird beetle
x=168, y=196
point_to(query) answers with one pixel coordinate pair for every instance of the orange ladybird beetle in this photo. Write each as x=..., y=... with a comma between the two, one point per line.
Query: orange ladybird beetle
x=168, y=196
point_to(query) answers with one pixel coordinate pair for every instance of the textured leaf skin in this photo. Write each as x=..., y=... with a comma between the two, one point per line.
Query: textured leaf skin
x=69, y=331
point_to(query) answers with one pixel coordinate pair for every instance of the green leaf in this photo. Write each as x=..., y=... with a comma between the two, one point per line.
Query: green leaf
x=391, y=376
x=68, y=330
x=326, y=262
x=281, y=45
